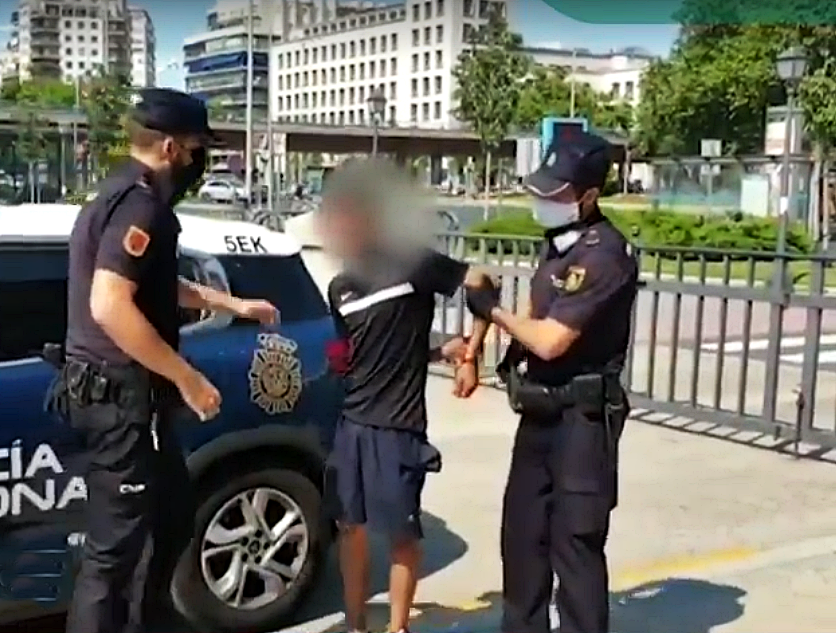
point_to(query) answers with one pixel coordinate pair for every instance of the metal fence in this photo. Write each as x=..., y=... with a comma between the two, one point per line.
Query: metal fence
x=737, y=339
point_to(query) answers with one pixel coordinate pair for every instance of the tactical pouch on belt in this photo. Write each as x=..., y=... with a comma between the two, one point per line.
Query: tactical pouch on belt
x=584, y=392
x=508, y=372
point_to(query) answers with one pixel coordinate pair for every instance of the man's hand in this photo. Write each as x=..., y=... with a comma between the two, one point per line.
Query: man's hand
x=454, y=350
x=466, y=379
x=199, y=394
x=482, y=300
x=257, y=310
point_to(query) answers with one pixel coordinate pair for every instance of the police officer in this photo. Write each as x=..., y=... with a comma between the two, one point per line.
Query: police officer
x=562, y=483
x=122, y=367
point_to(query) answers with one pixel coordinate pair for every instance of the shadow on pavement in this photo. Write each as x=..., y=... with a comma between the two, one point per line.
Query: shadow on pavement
x=683, y=605
x=441, y=548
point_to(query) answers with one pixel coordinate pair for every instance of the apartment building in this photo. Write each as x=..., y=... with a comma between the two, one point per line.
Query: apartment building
x=143, y=49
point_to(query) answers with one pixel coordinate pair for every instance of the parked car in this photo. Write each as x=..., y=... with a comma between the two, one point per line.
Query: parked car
x=259, y=463
x=221, y=190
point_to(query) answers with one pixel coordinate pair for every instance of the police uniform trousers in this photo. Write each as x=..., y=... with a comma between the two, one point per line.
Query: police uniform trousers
x=140, y=514
x=560, y=491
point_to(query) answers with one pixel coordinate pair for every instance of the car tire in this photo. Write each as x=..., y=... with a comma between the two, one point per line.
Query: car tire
x=194, y=600
x=205, y=197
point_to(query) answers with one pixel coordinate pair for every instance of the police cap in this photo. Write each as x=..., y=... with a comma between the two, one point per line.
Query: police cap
x=172, y=112
x=584, y=160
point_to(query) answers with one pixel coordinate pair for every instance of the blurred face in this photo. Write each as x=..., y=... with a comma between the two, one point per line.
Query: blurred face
x=346, y=229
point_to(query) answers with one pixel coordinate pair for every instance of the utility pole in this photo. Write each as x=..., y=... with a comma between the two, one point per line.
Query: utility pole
x=271, y=164
x=248, y=145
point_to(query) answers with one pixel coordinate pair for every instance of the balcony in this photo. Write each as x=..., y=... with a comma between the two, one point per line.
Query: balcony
x=44, y=25
x=45, y=53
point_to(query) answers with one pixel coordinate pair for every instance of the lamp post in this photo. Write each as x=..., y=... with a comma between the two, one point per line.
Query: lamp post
x=377, y=107
x=791, y=65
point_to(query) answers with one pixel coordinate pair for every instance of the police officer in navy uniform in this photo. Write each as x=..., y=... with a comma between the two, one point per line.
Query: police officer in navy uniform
x=563, y=376
x=122, y=372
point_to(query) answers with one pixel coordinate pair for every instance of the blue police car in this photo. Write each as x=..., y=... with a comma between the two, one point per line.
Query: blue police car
x=260, y=536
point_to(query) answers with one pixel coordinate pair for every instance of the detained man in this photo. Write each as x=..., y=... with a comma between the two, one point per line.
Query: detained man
x=383, y=304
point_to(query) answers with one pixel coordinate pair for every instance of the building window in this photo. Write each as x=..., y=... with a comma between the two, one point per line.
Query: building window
x=425, y=112
x=373, y=44
x=426, y=86
x=428, y=10
x=416, y=13
x=439, y=34
x=392, y=112
x=362, y=47
x=352, y=48
x=382, y=45
x=468, y=10
x=437, y=110
x=615, y=90
x=416, y=37
x=629, y=90
x=415, y=63
x=468, y=33
x=382, y=67
x=426, y=61
x=393, y=65
x=439, y=7
x=427, y=36
x=394, y=41
x=438, y=85
x=413, y=113
x=439, y=59
x=414, y=88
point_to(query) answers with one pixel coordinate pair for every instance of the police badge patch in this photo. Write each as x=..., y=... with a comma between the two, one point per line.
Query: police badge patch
x=275, y=374
x=574, y=278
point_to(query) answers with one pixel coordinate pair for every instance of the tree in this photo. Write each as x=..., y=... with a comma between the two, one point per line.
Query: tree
x=488, y=79
x=720, y=78
x=30, y=145
x=105, y=101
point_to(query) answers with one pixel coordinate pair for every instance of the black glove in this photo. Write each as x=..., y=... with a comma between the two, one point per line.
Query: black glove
x=481, y=301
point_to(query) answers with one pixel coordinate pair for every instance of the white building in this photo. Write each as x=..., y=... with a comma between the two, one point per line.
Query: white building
x=325, y=67
x=616, y=73
x=68, y=38
x=143, y=49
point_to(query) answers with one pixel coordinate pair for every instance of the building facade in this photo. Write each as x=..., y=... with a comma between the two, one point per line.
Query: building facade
x=616, y=73
x=143, y=49
x=69, y=38
x=325, y=69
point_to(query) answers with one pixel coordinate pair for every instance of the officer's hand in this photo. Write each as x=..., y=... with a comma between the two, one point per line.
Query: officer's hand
x=482, y=300
x=466, y=380
x=258, y=310
x=200, y=395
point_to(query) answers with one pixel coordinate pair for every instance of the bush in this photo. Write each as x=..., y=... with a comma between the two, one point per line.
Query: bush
x=650, y=227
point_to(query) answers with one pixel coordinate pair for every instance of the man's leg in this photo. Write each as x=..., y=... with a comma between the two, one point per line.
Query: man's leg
x=355, y=563
x=394, y=473
x=526, y=570
x=118, y=519
x=582, y=595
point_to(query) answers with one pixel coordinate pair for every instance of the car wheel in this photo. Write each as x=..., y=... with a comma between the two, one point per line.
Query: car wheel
x=205, y=197
x=256, y=553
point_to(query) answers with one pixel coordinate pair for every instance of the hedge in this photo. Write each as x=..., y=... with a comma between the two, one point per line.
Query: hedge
x=656, y=227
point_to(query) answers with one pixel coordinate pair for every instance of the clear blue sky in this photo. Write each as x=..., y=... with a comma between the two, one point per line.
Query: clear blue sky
x=534, y=19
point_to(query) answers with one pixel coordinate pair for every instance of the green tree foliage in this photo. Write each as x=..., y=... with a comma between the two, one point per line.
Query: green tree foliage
x=721, y=78
x=488, y=82
x=546, y=91
x=105, y=101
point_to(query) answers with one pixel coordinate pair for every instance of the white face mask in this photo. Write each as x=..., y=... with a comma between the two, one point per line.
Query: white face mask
x=553, y=215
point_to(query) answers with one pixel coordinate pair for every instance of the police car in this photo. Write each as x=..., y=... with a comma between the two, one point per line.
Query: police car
x=258, y=465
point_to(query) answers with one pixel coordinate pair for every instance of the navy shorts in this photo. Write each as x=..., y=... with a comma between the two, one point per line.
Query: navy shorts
x=376, y=478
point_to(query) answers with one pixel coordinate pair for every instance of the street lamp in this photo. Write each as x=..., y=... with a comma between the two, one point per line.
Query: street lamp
x=791, y=65
x=377, y=106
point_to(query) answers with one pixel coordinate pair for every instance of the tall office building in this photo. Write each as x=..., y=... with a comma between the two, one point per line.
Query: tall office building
x=143, y=49
x=69, y=38
x=325, y=68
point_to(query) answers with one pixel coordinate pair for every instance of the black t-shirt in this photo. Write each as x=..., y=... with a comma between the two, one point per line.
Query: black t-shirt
x=129, y=230
x=591, y=288
x=387, y=316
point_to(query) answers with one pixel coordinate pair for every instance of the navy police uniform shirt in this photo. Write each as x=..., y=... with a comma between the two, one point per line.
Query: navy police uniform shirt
x=130, y=230
x=589, y=288
x=386, y=316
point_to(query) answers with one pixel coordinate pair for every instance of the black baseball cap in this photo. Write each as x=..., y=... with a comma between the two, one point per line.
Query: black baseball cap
x=584, y=161
x=172, y=112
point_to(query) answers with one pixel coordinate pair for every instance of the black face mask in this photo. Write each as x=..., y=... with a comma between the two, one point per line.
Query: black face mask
x=184, y=176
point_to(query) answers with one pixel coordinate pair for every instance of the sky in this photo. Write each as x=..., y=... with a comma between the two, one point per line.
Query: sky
x=535, y=20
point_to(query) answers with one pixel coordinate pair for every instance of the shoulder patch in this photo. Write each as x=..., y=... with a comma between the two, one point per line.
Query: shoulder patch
x=574, y=278
x=136, y=241
x=592, y=238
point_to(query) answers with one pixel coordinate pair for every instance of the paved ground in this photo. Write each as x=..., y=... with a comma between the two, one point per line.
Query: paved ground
x=709, y=536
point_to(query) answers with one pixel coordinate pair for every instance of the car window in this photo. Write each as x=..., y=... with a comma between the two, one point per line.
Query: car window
x=284, y=281
x=197, y=270
x=33, y=299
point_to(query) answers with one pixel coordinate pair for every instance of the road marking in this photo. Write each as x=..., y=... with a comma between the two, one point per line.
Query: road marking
x=699, y=566
x=762, y=344
x=679, y=565
x=825, y=357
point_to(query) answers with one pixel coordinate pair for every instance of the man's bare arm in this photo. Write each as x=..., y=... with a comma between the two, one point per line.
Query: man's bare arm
x=475, y=344
x=197, y=297
x=112, y=307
